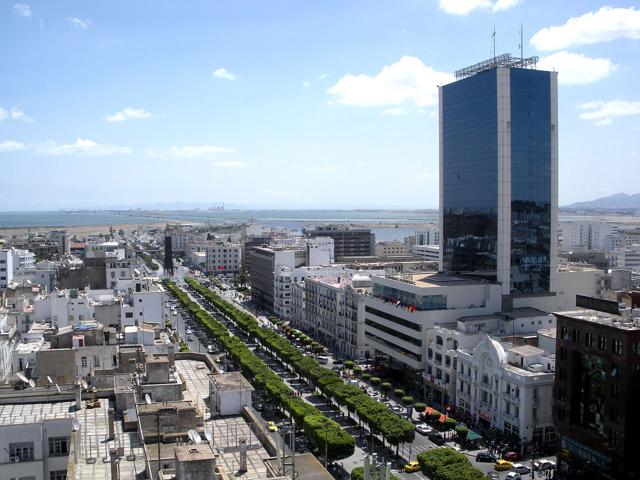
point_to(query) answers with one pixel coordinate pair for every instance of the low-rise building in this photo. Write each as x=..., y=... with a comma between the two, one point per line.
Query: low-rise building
x=229, y=393
x=386, y=249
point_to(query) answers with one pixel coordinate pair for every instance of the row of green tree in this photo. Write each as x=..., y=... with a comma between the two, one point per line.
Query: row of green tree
x=393, y=428
x=327, y=434
x=447, y=464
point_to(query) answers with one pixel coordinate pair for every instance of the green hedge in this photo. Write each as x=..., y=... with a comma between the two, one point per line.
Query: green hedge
x=447, y=464
x=339, y=443
x=393, y=428
x=358, y=474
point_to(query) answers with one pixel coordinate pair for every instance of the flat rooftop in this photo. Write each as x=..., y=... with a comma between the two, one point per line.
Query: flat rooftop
x=528, y=351
x=515, y=314
x=230, y=381
x=602, y=318
x=20, y=414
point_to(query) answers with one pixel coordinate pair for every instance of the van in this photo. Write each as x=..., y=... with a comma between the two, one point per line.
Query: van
x=323, y=359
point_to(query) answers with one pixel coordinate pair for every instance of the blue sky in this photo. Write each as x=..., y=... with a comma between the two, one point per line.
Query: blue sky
x=287, y=103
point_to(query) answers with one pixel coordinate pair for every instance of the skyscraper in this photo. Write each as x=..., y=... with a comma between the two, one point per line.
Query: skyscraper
x=498, y=174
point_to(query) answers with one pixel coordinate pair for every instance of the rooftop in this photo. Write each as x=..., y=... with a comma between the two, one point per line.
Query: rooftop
x=194, y=452
x=231, y=381
x=528, y=351
x=602, y=318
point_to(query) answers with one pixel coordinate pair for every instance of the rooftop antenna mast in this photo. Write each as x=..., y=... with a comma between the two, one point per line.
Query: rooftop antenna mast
x=521, y=46
x=493, y=37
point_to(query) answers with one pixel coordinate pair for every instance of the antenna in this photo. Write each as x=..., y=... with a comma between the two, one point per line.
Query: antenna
x=76, y=425
x=521, y=46
x=31, y=383
x=208, y=435
x=84, y=384
x=147, y=399
x=493, y=37
x=58, y=388
x=49, y=379
x=21, y=376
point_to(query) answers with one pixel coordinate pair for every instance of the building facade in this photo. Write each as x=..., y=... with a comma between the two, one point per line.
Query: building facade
x=348, y=242
x=498, y=175
x=596, y=386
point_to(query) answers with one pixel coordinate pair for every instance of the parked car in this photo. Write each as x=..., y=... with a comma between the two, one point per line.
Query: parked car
x=424, y=429
x=412, y=467
x=543, y=464
x=493, y=476
x=259, y=407
x=521, y=468
x=513, y=476
x=486, y=457
x=502, y=465
x=189, y=338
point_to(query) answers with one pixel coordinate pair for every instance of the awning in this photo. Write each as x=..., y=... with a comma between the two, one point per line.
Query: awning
x=471, y=435
x=429, y=410
x=442, y=419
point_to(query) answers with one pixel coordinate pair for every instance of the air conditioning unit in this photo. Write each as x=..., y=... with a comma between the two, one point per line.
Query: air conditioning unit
x=14, y=459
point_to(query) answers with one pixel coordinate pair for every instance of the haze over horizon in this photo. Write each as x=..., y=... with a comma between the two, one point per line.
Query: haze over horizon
x=289, y=105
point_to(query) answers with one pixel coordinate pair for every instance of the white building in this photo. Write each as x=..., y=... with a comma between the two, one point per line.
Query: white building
x=6, y=268
x=334, y=312
x=98, y=248
x=427, y=252
x=229, y=393
x=147, y=301
x=320, y=251
x=428, y=236
x=7, y=341
x=508, y=388
x=585, y=236
x=386, y=249
x=35, y=441
x=23, y=259
x=198, y=258
x=119, y=274
x=627, y=258
x=222, y=257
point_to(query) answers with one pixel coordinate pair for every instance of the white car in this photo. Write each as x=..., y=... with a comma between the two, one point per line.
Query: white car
x=513, y=476
x=521, y=468
x=424, y=429
x=189, y=331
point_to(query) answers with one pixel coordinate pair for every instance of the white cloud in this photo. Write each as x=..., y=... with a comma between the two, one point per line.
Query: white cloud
x=11, y=146
x=406, y=82
x=79, y=23
x=14, y=113
x=82, y=147
x=189, y=152
x=605, y=25
x=463, y=7
x=576, y=69
x=321, y=77
x=229, y=164
x=306, y=84
x=603, y=113
x=224, y=74
x=22, y=9
x=127, y=114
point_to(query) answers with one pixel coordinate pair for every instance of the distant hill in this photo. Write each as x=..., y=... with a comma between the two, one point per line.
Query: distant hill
x=615, y=201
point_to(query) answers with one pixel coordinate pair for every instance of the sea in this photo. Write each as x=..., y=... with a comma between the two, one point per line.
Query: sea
x=386, y=224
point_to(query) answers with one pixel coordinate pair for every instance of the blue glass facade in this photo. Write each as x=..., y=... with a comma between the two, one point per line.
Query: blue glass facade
x=530, y=180
x=470, y=175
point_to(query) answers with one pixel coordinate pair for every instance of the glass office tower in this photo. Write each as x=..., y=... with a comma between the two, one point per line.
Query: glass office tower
x=498, y=175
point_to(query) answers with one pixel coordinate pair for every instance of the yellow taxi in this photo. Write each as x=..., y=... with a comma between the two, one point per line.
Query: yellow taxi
x=502, y=464
x=271, y=426
x=412, y=467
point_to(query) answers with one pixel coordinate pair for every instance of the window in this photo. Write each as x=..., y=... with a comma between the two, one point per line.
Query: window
x=23, y=450
x=58, y=446
x=439, y=340
x=588, y=339
x=616, y=346
x=602, y=343
x=575, y=335
x=128, y=314
x=447, y=360
x=83, y=362
x=564, y=333
x=58, y=475
x=429, y=353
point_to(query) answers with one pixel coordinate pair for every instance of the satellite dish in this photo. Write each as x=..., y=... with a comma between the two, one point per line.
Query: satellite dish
x=75, y=425
x=31, y=383
x=49, y=379
x=84, y=384
x=194, y=437
x=22, y=377
x=147, y=399
x=58, y=388
x=208, y=435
